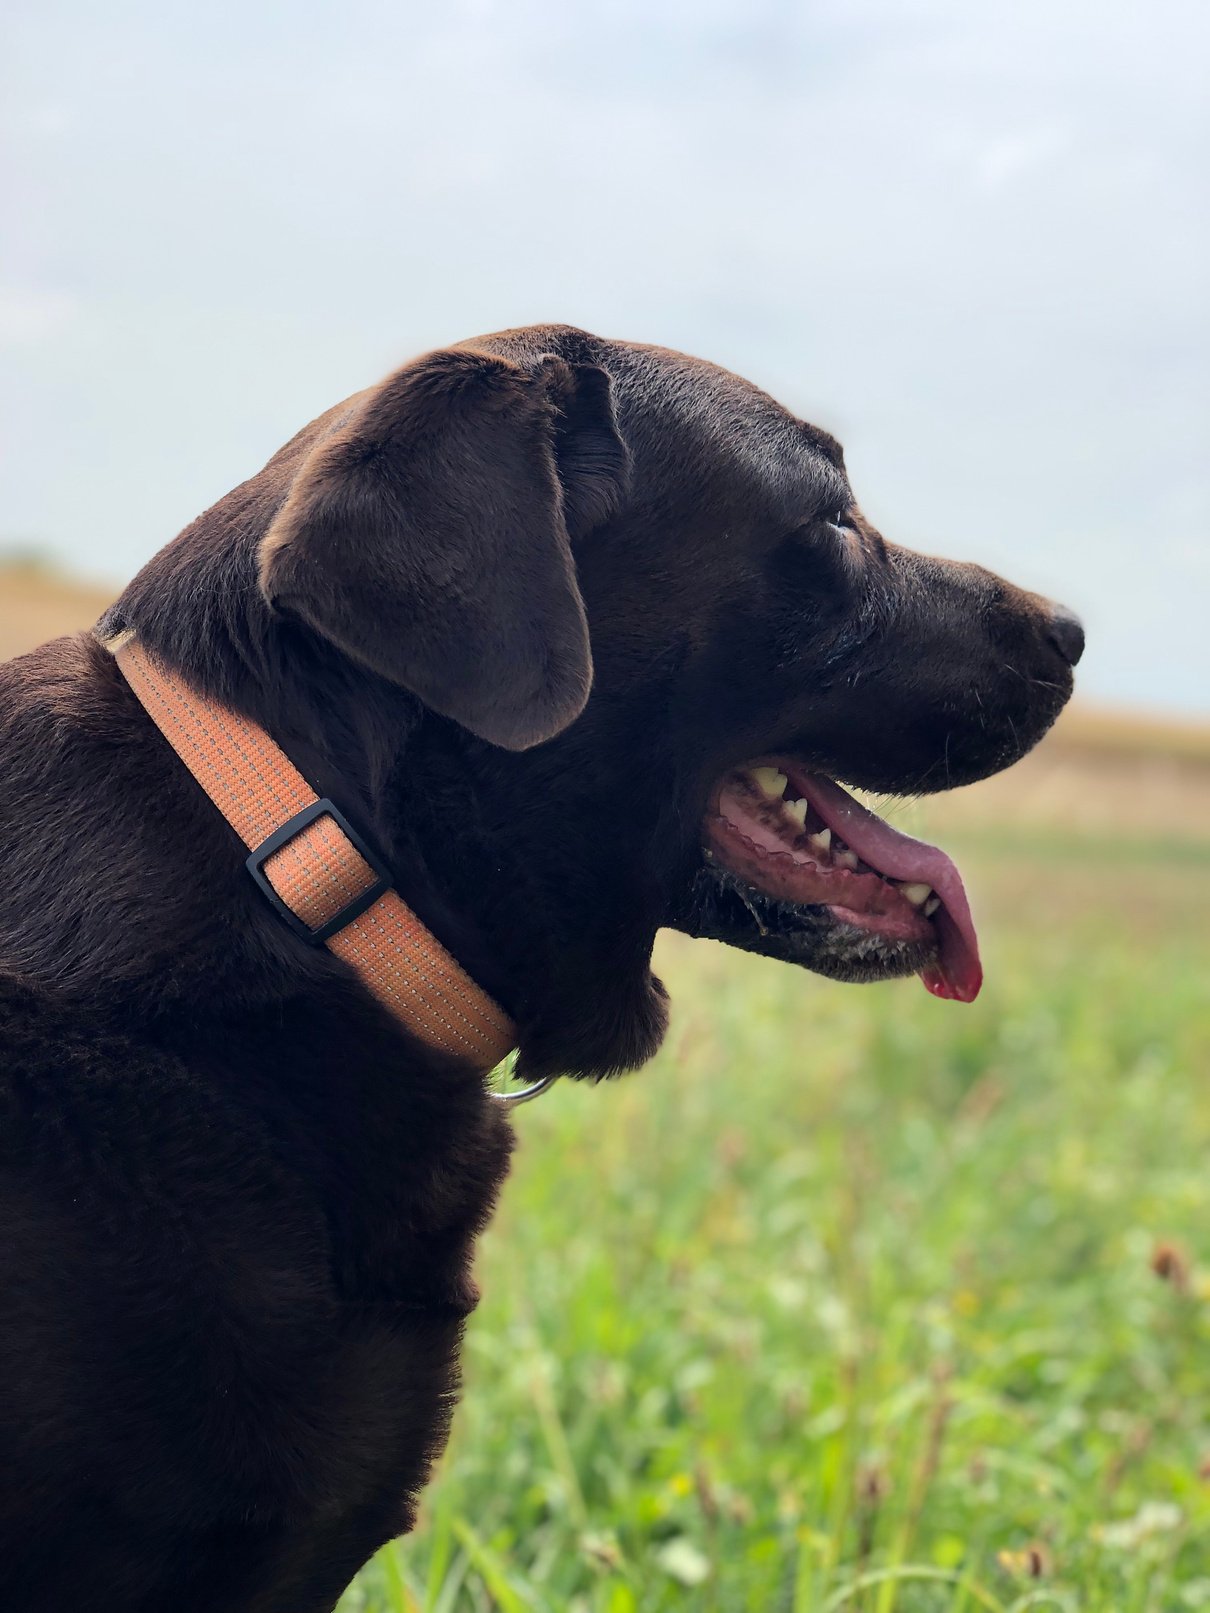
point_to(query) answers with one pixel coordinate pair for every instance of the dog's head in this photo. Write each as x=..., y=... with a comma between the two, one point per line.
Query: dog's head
x=651, y=630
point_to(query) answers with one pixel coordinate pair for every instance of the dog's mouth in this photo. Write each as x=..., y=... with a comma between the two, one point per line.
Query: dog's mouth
x=797, y=841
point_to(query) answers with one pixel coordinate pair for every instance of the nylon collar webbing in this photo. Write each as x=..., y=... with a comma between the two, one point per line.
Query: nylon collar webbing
x=313, y=866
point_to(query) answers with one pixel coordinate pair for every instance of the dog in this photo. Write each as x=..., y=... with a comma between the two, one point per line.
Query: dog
x=575, y=637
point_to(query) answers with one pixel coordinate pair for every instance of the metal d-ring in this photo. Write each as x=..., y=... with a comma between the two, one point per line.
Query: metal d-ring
x=526, y=1094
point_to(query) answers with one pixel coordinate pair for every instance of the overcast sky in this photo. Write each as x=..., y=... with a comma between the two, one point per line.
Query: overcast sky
x=970, y=239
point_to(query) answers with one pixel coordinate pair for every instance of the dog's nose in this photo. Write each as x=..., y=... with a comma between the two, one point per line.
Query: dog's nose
x=1067, y=634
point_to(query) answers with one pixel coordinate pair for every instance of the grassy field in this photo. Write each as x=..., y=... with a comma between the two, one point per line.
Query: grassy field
x=859, y=1300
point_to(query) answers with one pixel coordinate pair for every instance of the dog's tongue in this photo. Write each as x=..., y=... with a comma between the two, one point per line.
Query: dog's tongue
x=957, y=973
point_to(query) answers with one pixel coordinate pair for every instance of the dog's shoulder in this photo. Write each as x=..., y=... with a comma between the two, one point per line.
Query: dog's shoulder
x=175, y=1320
x=156, y=1177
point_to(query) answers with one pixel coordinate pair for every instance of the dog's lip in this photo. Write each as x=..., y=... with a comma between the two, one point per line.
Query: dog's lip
x=770, y=863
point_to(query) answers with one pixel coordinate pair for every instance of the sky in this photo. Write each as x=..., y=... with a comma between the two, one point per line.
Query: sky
x=971, y=240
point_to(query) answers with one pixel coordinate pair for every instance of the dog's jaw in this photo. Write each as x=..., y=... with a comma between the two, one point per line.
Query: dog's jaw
x=802, y=841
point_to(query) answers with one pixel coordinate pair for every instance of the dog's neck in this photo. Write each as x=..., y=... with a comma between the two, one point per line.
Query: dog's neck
x=347, y=730
x=324, y=880
x=395, y=768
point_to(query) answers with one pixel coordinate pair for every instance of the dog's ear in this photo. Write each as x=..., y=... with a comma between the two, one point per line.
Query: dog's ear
x=429, y=536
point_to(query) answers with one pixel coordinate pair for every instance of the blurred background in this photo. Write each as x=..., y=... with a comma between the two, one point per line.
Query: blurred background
x=972, y=241
x=853, y=1299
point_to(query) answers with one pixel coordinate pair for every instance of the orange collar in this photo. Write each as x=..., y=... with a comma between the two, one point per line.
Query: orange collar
x=322, y=878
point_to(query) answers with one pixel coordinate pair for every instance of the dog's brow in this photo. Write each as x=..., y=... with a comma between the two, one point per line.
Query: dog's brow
x=832, y=494
x=825, y=443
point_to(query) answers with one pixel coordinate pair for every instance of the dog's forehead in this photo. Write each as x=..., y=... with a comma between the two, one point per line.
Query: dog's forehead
x=722, y=425
x=685, y=418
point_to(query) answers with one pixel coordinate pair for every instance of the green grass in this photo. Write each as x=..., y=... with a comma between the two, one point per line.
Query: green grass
x=848, y=1300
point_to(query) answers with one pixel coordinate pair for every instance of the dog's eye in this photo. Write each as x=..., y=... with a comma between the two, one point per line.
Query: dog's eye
x=841, y=520
x=816, y=558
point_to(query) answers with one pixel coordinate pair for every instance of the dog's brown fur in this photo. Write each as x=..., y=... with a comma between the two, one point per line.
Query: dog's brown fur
x=238, y=1203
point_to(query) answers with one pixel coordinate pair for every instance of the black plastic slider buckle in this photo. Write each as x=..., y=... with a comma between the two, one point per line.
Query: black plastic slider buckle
x=351, y=910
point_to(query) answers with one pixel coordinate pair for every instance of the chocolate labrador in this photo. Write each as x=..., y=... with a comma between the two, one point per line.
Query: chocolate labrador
x=581, y=635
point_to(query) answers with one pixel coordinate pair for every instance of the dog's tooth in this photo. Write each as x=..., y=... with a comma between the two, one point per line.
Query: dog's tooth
x=798, y=811
x=917, y=894
x=931, y=906
x=821, y=841
x=845, y=858
x=769, y=781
